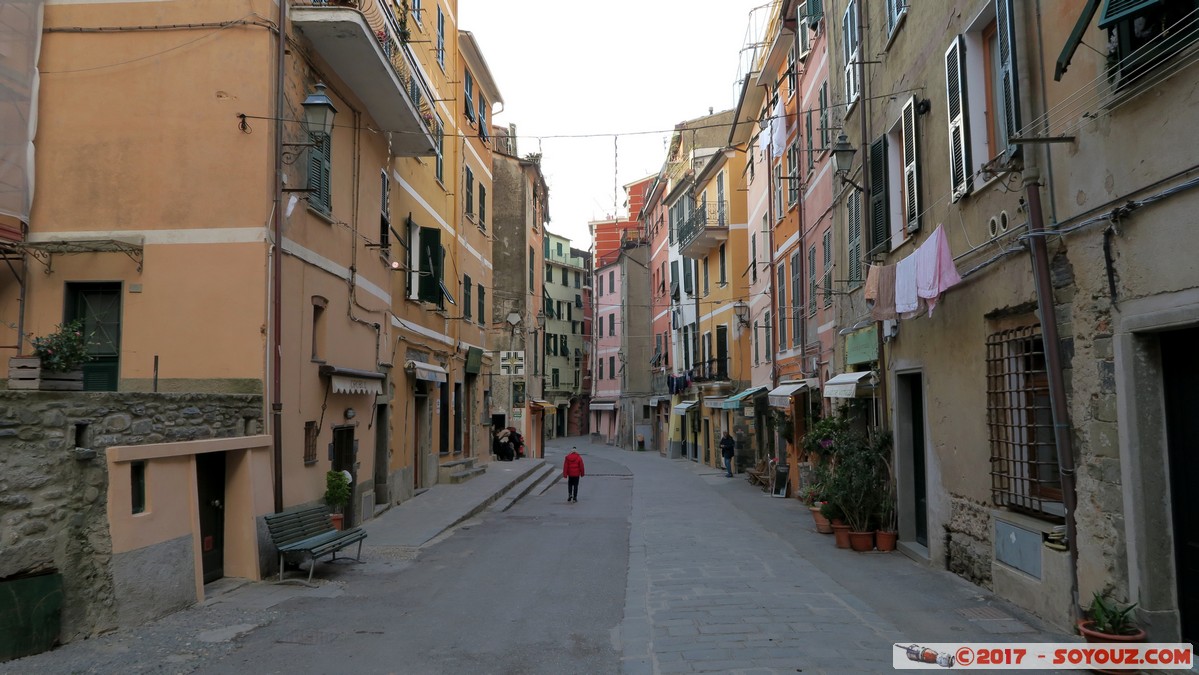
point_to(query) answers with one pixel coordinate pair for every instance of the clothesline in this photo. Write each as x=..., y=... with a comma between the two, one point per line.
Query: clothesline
x=912, y=286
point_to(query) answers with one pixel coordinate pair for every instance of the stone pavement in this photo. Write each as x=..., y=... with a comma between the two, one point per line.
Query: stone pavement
x=721, y=578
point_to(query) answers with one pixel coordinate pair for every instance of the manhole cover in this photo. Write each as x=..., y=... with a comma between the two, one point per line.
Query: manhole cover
x=310, y=637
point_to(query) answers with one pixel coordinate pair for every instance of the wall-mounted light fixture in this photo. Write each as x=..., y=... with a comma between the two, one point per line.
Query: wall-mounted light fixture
x=843, y=153
x=741, y=311
x=350, y=413
x=319, y=113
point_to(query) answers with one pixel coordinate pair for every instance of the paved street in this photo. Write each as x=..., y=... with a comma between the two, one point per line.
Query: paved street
x=663, y=566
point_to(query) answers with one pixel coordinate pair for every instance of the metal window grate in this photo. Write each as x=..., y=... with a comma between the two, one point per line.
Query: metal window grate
x=310, y=433
x=1024, y=469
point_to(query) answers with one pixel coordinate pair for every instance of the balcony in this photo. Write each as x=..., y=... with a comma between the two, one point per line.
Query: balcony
x=704, y=230
x=712, y=370
x=361, y=41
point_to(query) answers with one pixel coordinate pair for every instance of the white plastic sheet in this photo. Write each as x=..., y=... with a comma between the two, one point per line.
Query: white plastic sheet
x=20, y=44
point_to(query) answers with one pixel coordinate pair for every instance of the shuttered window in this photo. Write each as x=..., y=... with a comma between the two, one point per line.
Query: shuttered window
x=430, y=262
x=959, y=128
x=854, y=216
x=468, y=92
x=1115, y=11
x=1006, y=32
x=879, y=222
x=796, y=305
x=466, y=298
x=911, y=166
x=828, y=267
x=812, y=281
x=319, y=170
x=849, y=51
x=782, y=310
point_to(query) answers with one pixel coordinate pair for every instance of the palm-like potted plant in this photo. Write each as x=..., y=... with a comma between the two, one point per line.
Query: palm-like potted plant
x=337, y=496
x=1110, y=621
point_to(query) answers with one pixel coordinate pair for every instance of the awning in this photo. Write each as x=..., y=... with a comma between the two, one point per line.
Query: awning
x=426, y=371
x=353, y=381
x=544, y=405
x=780, y=396
x=716, y=402
x=734, y=402
x=684, y=407
x=603, y=405
x=845, y=385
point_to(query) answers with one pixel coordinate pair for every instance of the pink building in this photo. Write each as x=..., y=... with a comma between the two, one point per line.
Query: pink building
x=607, y=286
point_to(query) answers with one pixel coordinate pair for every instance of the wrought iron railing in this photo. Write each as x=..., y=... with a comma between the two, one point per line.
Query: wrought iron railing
x=711, y=216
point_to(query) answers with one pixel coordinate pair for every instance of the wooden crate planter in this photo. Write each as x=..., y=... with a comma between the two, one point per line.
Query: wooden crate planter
x=25, y=372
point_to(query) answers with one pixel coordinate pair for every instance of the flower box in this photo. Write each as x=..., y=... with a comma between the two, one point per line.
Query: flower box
x=26, y=372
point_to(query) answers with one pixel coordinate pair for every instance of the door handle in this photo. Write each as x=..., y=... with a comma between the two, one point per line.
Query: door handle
x=216, y=503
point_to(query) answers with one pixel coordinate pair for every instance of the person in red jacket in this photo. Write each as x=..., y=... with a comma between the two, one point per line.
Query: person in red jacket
x=572, y=470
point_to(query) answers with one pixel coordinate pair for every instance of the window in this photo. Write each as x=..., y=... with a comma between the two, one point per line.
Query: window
x=611, y=367
x=563, y=345
x=482, y=304
x=554, y=378
x=706, y=286
x=611, y=281
x=559, y=248
x=468, y=92
x=601, y=369
x=812, y=279
x=439, y=162
x=983, y=101
x=853, y=215
x=578, y=300
x=769, y=354
x=757, y=358
x=896, y=9
x=311, y=431
x=825, y=129
x=782, y=308
x=470, y=191
x=706, y=355
x=805, y=33
x=440, y=38
x=792, y=72
x=827, y=245
x=777, y=183
x=384, y=210
x=417, y=12
x=792, y=174
x=137, y=486
x=687, y=287
x=549, y=274
x=611, y=325
x=482, y=206
x=723, y=274
x=895, y=182
x=722, y=351
x=426, y=265
x=796, y=305
x=483, y=117
x=1024, y=469
x=1145, y=33
x=810, y=146
x=319, y=173
x=721, y=204
x=578, y=282
x=532, y=269
x=753, y=257
x=600, y=287
x=850, y=51
x=564, y=275
x=319, y=328
x=466, y=298
x=551, y=345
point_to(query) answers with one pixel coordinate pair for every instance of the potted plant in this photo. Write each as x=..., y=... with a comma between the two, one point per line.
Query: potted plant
x=814, y=498
x=857, y=482
x=57, y=361
x=831, y=510
x=337, y=496
x=1109, y=621
x=886, y=536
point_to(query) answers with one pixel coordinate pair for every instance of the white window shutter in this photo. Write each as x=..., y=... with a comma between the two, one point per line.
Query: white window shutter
x=959, y=129
x=1005, y=29
x=911, y=166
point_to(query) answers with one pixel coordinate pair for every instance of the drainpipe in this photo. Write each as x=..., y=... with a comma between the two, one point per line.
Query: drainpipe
x=1053, y=362
x=276, y=261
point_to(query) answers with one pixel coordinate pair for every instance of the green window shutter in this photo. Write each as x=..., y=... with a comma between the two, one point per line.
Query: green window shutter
x=959, y=123
x=1005, y=32
x=319, y=171
x=880, y=228
x=911, y=166
x=466, y=297
x=1075, y=39
x=429, y=286
x=855, y=238
x=815, y=10
x=687, y=275
x=482, y=304
x=1116, y=11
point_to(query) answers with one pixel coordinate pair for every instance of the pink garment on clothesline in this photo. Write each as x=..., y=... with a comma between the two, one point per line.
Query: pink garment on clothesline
x=935, y=271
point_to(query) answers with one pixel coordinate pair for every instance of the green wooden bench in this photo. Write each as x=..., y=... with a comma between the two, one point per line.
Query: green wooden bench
x=310, y=531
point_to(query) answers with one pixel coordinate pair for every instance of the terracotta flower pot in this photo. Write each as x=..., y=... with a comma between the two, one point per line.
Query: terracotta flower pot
x=338, y=520
x=823, y=526
x=1093, y=636
x=861, y=541
x=885, y=541
x=841, y=532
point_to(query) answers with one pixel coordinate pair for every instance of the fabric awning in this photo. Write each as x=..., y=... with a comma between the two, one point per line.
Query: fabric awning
x=603, y=405
x=682, y=408
x=845, y=385
x=353, y=381
x=544, y=405
x=426, y=371
x=780, y=396
x=735, y=402
x=716, y=402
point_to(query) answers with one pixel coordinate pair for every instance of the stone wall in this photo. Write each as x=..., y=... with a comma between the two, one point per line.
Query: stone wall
x=53, y=481
x=968, y=536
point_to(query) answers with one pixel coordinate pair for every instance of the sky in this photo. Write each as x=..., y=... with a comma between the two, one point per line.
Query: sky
x=631, y=68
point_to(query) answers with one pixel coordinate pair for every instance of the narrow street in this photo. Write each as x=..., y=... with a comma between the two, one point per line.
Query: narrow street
x=663, y=566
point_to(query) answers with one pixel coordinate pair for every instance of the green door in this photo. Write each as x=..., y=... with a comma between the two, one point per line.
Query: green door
x=99, y=306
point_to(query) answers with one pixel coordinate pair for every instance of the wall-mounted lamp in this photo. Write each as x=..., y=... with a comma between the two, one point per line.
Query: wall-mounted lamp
x=541, y=320
x=318, y=122
x=843, y=153
x=350, y=413
x=741, y=311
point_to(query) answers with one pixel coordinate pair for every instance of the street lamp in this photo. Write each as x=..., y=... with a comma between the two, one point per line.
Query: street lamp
x=741, y=310
x=318, y=122
x=843, y=154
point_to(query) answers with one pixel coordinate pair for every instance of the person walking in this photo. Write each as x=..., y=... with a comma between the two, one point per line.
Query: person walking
x=727, y=445
x=572, y=470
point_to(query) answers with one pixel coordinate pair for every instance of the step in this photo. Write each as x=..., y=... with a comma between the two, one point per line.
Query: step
x=446, y=471
x=467, y=474
x=513, y=495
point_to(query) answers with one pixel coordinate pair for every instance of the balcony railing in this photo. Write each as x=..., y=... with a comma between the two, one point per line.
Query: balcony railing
x=710, y=370
x=704, y=229
x=367, y=46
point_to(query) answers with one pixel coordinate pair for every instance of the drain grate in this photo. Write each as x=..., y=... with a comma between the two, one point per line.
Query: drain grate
x=309, y=637
x=984, y=613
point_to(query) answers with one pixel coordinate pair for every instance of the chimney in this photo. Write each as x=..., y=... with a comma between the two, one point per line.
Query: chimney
x=711, y=110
